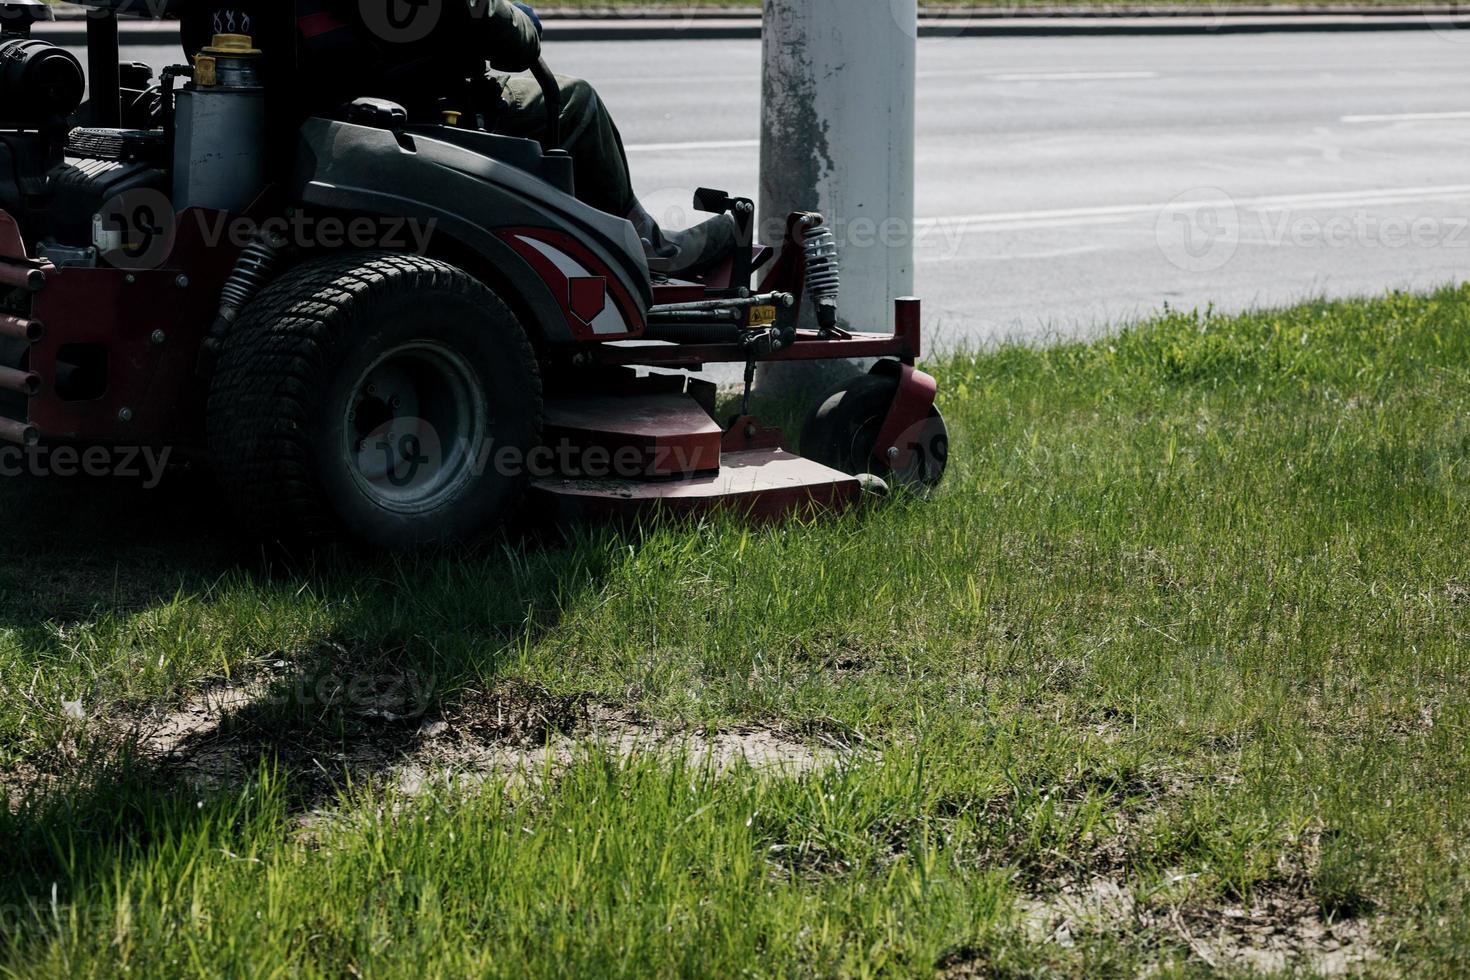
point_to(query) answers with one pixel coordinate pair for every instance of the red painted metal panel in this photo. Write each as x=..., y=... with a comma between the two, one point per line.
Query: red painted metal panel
x=119, y=312
x=588, y=297
x=151, y=323
x=656, y=435
x=907, y=322
x=911, y=405
x=12, y=245
x=558, y=280
x=747, y=433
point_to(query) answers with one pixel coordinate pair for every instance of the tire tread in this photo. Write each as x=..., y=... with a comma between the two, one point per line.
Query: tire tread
x=261, y=394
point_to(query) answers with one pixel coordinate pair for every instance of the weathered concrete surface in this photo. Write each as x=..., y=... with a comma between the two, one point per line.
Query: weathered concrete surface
x=837, y=123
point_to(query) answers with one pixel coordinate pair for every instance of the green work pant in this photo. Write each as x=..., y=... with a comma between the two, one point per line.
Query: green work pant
x=587, y=133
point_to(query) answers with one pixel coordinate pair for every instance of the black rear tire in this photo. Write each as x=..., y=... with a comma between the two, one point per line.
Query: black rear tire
x=331, y=359
x=842, y=432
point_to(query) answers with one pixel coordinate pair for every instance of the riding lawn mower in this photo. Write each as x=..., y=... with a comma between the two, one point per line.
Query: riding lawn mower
x=168, y=279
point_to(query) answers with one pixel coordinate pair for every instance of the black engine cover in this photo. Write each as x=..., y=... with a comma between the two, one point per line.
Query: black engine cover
x=80, y=187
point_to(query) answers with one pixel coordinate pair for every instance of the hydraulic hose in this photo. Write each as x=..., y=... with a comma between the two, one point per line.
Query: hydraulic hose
x=694, y=333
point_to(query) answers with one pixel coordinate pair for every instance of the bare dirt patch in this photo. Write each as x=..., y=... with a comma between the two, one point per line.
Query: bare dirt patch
x=199, y=714
x=513, y=730
x=1275, y=932
x=459, y=756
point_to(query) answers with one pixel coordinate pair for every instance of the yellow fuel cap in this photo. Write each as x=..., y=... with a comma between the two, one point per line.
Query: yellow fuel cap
x=236, y=45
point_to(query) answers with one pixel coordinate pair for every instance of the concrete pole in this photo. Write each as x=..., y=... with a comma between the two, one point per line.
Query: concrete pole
x=837, y=123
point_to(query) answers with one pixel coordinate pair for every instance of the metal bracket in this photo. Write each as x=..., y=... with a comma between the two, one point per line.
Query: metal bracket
x=742, y=209
x=911, y=405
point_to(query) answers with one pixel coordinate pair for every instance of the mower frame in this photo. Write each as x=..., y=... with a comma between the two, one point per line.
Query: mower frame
x=504, y=213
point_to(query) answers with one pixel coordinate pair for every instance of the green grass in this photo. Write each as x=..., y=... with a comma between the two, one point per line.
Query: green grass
x=1191, y=617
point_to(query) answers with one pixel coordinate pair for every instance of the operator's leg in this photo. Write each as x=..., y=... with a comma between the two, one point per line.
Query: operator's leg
x=601, y=169
x=587, y=133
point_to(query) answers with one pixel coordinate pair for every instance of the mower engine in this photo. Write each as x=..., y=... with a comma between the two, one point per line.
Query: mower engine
x=55, y=180
x=58, y=180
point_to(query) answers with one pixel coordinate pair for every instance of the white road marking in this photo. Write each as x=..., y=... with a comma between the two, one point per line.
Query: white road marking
x=1018, y=220
x=1054, y=253
x=1405, y=117
x=1069, y=76
x=675, y=147
x=752, y=78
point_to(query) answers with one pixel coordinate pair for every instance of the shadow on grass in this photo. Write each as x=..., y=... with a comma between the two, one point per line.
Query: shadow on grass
x=413, y=639
x=73, y=546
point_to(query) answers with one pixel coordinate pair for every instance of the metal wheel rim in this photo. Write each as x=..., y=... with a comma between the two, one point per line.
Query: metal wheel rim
x=923, y=472
x=412, y=425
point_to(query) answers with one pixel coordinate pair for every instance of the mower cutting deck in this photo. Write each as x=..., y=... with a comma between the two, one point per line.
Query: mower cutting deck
x=651, y=443
x=747, y=470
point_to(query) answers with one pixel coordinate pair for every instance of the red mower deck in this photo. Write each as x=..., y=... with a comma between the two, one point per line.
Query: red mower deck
x=756, y=477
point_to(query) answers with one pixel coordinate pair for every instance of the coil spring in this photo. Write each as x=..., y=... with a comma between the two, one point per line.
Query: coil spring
x=253, y=270
x=823, y=274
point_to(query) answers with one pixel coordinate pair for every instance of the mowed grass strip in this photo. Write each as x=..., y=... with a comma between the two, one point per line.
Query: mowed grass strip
x=1170, y=675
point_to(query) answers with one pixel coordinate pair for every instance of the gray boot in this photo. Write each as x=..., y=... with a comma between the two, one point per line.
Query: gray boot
x=680, y=254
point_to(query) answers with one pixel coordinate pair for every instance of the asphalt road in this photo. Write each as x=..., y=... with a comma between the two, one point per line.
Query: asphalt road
x=1067, y=184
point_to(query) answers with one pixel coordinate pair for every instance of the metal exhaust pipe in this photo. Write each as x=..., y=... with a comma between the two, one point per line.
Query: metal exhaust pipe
x=19, y=433
x=26, y=383
x=22, y=277
x=16, y=328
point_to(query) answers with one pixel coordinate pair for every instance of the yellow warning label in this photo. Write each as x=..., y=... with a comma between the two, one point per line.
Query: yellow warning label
x=762, y=316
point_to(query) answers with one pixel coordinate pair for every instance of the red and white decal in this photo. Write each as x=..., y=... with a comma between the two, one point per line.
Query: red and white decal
x=596, y=305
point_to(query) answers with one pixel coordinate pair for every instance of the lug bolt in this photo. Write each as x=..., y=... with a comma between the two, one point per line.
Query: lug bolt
x=125, y=415
x=892, y=453
x=130, y=278
x=182, y=282
x=158, y=338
